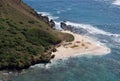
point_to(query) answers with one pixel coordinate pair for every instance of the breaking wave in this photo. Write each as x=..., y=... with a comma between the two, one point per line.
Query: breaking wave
x=116, y=2
x=49, y=15
x=96, y=33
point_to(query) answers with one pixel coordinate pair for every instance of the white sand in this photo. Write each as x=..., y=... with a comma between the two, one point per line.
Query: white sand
x=80, y=46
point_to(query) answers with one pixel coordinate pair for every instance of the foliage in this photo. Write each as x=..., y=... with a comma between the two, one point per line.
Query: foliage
x=24, y=38
x=31, y=22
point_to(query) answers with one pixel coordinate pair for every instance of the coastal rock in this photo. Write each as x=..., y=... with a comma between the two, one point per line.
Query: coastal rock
x=46, y=19
x=39, y=16
x=67, y=27
x=52, y=23
x=53, y=56
x=63, y=25
x=74, y=29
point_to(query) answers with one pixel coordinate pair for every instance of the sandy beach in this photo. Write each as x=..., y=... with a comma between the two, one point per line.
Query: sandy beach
x=82, y=45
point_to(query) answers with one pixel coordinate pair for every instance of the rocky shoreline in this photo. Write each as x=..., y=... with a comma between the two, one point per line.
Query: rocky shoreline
x=46, y=19
x=73, y=29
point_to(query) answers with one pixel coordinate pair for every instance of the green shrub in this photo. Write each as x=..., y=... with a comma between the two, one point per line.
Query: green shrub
x=31, y=22
x=40, y=37
x=12, y=30
x=21, y=22
x=1, y=5
x=1, y=19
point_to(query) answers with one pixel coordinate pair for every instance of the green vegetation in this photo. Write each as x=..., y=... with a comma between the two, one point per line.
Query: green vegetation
x=31, y=22
x=24, y=38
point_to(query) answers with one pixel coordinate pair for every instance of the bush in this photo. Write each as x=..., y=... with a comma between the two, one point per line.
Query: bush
x=2, y=27
x=31, y=22
x=1, y=5
x=40, y=37
x=21, y=22
x=12, y=30
x=1, y=19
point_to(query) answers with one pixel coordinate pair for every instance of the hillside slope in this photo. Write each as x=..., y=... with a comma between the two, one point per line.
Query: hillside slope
x=24, y=38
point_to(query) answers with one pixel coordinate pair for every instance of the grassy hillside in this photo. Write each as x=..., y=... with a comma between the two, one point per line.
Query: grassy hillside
x=24, y=38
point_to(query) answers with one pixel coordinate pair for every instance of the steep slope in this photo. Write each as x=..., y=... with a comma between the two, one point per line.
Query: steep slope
x=24, y=38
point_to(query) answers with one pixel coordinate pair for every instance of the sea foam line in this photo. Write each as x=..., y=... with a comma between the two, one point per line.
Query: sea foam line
x=94, y=31
x=91, y=29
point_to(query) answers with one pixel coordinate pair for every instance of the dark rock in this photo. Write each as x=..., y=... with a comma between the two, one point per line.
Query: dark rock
x=66, y=27
x=52, y=23
x=53, y=56
x=63, y=25
x=40, y=16
x=78, y=30
x=45, y=19
x=54, y=50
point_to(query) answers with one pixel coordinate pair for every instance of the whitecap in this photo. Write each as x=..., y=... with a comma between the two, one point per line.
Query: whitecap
x=49, y=15
x=53, y=17
x=116, y=2
x=44, y=13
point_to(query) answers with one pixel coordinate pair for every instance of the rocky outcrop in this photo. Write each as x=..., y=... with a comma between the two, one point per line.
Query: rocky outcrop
x=46, y=19
x=51, y=23
x=67, y=27
x=63, y=25
x=74, y=29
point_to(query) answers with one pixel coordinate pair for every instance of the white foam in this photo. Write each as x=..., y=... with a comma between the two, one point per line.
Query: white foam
x=54, y=62
x=94, y=30
x=116, y=2
x=57, y=25
x=48, y=14
x=44, y=13
x=37, y=65
x=53, y=17
x=88, y=27
x=91, y=29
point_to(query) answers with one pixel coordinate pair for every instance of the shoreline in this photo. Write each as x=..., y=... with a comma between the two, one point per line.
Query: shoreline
x=82, y=45
x=73, y=51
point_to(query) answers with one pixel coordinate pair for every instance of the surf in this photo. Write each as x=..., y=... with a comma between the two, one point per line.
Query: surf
x=116, y=2
x=48, y=14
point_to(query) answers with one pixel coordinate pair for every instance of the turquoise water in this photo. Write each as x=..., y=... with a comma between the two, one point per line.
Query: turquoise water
x=101, y=20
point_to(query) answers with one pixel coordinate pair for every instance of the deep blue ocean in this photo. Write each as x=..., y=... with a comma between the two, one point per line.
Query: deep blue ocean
x=101, y=20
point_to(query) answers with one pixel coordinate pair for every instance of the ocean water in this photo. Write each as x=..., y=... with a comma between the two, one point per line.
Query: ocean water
x=101, y=20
